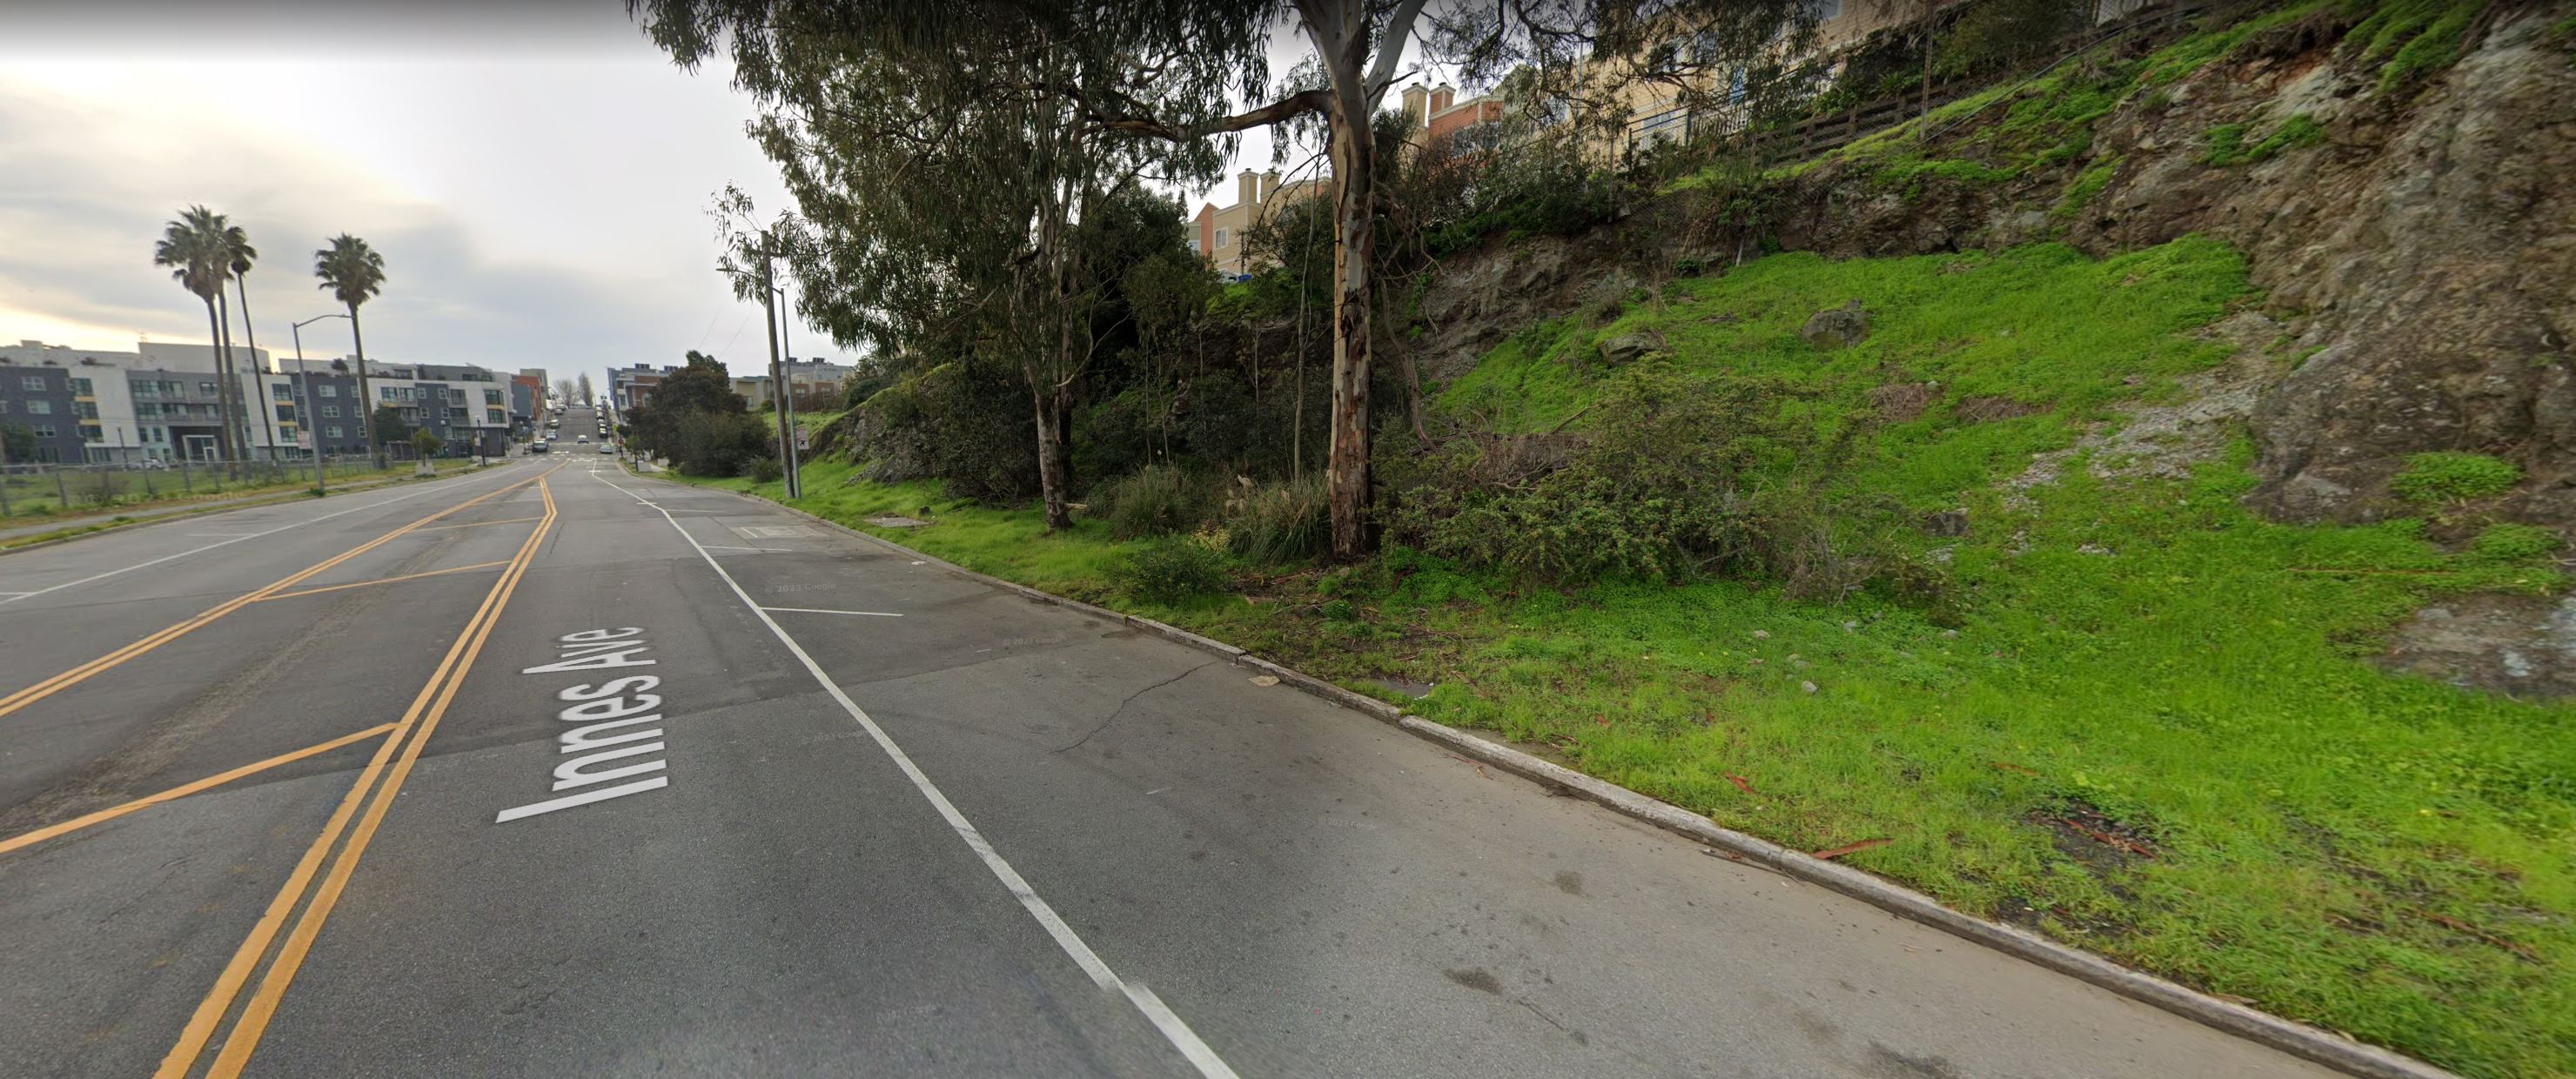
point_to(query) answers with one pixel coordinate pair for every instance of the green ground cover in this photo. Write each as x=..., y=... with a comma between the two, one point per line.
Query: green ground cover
x=2138, y=718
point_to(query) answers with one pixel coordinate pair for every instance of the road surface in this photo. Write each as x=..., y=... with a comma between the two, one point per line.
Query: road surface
x=555, y=770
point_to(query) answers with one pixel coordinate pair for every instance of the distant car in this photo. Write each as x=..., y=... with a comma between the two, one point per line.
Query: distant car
x=584, y=438
x=606, y=448
x=537, y=446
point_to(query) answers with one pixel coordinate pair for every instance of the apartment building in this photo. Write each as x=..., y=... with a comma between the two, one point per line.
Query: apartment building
x=810, y=381
x=162, y=402
x=630, y=388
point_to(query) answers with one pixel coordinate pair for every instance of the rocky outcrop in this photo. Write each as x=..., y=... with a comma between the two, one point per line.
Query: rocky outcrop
x=1839, y=327
x=2422, y=258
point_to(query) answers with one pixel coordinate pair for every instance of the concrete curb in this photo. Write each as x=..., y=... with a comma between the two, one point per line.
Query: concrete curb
x=222, y=507
x=2297, y=1039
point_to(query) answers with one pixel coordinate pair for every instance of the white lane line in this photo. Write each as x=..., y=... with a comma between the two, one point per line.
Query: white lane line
x=722, y=547
x=820, y=610
x=1173, y=1028
x=224, y=543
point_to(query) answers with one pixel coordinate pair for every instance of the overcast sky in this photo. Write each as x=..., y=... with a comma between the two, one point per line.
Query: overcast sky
x=535, y=175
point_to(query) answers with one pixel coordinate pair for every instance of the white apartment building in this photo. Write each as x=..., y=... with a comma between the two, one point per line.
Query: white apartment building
x=159, y=402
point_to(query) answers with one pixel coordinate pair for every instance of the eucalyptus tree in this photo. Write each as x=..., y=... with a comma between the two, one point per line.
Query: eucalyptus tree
x=193, y=247
x=945, y=157
x=354, y=273
x=1091, y=88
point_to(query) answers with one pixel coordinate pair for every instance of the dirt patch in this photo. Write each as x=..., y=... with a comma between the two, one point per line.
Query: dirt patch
x=1898, y=402
x=1991, y=409
x=2098, y=841
x=2519, y=646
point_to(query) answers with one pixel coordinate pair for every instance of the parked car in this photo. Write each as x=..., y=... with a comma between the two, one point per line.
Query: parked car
x=538, y=446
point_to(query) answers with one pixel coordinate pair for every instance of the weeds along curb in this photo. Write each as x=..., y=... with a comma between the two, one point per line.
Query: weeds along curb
x=2297, y=1039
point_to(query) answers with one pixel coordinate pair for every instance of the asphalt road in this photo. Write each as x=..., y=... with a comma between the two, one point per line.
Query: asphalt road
x=846, y=814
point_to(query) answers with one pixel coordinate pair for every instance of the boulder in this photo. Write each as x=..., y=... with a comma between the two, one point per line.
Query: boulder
x=1627, y=347
x=1837, y=328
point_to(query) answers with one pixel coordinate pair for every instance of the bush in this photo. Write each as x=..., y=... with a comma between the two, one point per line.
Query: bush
x=1154, y=500
x=1170, y=570
x=764, y=470
x=2507, y=544
x=1289, y=521
x=2448, y=477
x=1673, y=476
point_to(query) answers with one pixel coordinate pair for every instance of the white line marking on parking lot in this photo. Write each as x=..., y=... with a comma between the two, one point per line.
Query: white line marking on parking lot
x=819, y=610
x=1173, y=1028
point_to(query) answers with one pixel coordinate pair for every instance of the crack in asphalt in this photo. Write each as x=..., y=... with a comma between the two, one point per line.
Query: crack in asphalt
x=1131, y=699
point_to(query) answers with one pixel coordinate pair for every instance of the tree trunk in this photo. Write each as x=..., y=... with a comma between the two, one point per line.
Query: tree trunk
x=259, y=386
x=1051, y=466
x=1347, y=481
x=366, y=403
x=223, y=422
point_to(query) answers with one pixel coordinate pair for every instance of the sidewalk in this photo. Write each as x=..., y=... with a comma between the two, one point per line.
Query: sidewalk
x=36, y=526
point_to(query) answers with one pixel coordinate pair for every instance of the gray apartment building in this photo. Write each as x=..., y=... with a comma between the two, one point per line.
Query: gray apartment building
x=39, y=398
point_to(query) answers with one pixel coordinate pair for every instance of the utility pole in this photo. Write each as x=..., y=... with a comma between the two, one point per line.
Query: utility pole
x=777, y=375
x=311, y=426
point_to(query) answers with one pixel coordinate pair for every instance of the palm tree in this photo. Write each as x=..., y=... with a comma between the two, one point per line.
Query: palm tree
x=193, y=248
x=354, y=273
x=238, y=255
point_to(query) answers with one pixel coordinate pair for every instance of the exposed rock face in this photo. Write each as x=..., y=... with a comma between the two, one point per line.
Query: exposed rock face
x=1838, y=328
x=2423, y=259
x=2522, y=646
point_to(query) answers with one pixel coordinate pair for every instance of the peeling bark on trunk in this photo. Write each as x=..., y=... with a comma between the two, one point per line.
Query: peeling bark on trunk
x=1052, y=476
x=1347, y=482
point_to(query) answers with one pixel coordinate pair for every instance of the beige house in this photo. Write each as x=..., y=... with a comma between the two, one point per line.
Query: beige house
x=1217, y=233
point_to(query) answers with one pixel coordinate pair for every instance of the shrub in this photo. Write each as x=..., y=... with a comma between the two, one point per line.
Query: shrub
x=1673, y=476
x=1170, y=570
x=764, y=469
x=1154, y=500
x=1279, y=522
x=2446, y=477
x=2506, y=544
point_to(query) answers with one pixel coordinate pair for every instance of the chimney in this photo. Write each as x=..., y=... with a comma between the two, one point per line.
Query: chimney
x=1417, y=104
x=1247, y=189
x=1269, y=186
x=1441, y=97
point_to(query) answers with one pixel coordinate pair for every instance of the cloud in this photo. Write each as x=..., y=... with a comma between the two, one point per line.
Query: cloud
x=513, y=236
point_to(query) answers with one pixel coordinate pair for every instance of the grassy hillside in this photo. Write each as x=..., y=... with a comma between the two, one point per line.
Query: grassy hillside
x=2130, y=714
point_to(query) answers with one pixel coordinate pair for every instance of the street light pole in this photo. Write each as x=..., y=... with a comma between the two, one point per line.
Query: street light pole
x=304, y=375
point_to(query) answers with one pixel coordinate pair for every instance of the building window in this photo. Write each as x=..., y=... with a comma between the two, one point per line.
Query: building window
x=1220, y=238
x=329, y=390
x=40, y=407
x=146, y=389
x=85, y=409
x=32, y=382
x=330, y=412
x=92, y=434
x=286, y=413
x=493, y=416
x=331, y=430
x=205, y=389
x=491, y=397
x=281, y=391
x=177, y=389
x=80, y=387
x=45, y=430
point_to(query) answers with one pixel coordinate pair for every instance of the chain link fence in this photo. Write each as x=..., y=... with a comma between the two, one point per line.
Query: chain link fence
x=37, y=491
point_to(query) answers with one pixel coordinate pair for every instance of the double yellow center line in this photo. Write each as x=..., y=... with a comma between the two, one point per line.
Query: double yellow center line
x=50, y=686
x=392, y=764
